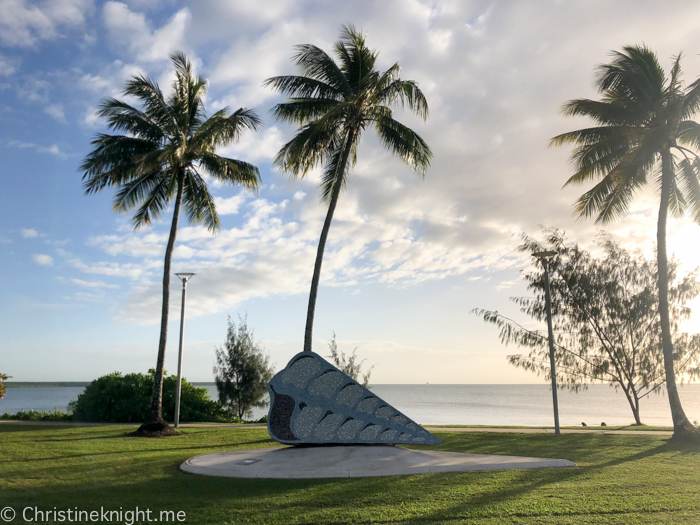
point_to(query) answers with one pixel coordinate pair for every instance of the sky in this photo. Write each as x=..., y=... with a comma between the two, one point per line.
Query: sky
x=407, y=258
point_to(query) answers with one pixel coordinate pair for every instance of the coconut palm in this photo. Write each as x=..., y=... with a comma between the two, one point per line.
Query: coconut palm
x=333, y=103
x=644, y=134
x=167, y=147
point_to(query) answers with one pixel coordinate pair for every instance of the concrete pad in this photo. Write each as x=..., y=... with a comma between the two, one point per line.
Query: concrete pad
x=349, y=461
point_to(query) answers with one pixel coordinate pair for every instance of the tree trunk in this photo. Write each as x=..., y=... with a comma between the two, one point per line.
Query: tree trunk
x=682, y=428
x=155, y=411
x=308, y=332
x=633, y=402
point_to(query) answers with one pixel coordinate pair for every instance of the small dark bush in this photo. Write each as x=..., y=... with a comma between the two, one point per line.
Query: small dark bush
x=37, y=416
x=124, y=399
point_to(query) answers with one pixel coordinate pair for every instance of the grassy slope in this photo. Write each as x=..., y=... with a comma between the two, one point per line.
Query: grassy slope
x=622, y=479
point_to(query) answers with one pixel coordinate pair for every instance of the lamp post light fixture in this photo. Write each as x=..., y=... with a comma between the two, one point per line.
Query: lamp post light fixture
x=184, y=277
x=544, y=259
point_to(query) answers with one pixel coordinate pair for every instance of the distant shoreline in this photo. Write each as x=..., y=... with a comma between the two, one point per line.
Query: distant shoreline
x=45, y=384
x=70, y=384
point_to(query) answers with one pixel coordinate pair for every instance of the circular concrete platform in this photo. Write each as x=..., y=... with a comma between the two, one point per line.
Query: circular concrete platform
x=351, y=462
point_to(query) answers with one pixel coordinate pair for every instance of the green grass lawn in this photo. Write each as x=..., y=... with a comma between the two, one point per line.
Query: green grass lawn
x=621, y=479
x=590, y=427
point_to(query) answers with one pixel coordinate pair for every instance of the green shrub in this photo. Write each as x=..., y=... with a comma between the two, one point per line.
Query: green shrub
x=38, y=416
x=124, y=399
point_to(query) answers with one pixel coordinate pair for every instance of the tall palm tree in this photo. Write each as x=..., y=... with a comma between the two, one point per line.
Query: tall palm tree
x=166, y=147
x=333, y=103
x=644, y=132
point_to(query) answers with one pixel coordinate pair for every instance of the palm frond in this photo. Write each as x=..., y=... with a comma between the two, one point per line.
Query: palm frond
x=610, y=198
x=357, y=60
x=221, y=130
x=136, y=190
x=316, y=64
x=634, y=78
x=689, y=134
x=120, y=116
x=198, y=202
x=155, y=106
x=114, y=160
x=310, y=146
x=156, y=201
x=303, y=87
x=691, y=101
x=331, y=173
x=605, y=113
x=596, y=160
x=304, y=110
x=406, y=93
x=690, y=184
x=590, y=136
x=676, y=201
x=404, y=143
x=231, y=171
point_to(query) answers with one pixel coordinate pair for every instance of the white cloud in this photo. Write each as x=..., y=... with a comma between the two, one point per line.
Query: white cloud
x=50, y=150
x=56, y=111
x=35, y=90
x=29, y=233
x=504, y=285
x=254, y=147
x=7, y=66
x=134, y=271
x=131, y=30
x=92, y=284
x=494, y=87
x=230, y=205
x=23, y=23
x=43, y=259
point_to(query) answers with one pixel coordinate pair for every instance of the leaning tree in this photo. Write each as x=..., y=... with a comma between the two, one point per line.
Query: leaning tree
x=605, y=319
x=333, y=102
x=165, y=149
x=644, y=130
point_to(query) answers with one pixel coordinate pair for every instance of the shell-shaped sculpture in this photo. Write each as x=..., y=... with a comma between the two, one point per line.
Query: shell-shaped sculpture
x=312, y=402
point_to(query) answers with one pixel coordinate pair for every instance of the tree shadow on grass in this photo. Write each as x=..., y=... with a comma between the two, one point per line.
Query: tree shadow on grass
x=528, y=481
x=154, y=481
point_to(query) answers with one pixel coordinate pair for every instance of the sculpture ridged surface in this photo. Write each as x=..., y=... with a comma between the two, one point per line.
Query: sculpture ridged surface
x=312, y=402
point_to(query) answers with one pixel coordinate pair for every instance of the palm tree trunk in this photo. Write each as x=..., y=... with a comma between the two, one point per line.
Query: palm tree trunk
x=155, y=411
x=681, y=426
x=308, y=332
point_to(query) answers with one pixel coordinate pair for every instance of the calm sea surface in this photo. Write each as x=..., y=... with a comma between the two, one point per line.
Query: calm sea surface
x=455, y=404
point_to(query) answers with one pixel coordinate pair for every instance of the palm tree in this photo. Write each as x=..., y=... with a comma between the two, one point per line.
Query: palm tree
x=166, y=147
x=644, y=130
x=332, y=103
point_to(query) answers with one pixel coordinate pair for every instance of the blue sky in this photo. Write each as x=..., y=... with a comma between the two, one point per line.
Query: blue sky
x=407, y=258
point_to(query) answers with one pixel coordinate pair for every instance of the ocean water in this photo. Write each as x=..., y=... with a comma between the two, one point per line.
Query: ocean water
x=526, y=405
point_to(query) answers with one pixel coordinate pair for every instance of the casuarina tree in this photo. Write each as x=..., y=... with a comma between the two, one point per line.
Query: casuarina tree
x=349, y=364
x=333, y=102
x=164, y=153
x=242, y=370
x=3, y=378
x=644, y=133
x=605, y=317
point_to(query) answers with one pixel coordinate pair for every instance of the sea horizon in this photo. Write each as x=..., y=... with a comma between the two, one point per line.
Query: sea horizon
x=445, y=404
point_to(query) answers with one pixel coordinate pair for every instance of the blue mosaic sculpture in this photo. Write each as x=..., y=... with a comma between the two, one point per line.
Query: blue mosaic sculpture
x=312, y=402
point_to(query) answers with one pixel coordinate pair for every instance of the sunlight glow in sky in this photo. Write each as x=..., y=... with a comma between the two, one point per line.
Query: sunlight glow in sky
x=407, y=258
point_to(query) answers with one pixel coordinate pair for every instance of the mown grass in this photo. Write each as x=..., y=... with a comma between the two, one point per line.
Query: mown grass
x=621, y=479
x=589, y=427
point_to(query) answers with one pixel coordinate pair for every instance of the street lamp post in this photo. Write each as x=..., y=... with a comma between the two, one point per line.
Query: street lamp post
x=544, y=259
x=184, y=277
